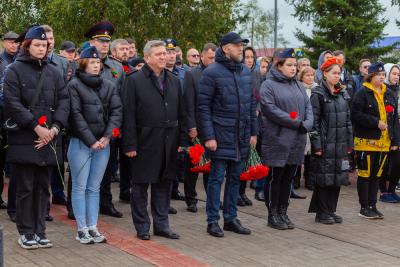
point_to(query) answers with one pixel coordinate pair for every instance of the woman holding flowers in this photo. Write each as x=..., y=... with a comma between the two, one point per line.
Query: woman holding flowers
x=96, y=115
x=287, y=117
x=331, y=140
x=34, y=89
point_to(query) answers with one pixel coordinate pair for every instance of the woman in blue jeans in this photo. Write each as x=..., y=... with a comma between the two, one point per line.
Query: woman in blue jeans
x=96, y=113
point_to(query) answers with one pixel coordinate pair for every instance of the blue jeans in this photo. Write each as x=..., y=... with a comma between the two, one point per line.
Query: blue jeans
x=87, y=167
x=232, y=184
x=260, y=185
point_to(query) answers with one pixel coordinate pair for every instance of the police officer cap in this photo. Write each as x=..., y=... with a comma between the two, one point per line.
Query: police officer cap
x=102, y=31
x=376, y=67
x=90, y=52
x=232, y=38
x=10, y=36
x=287, y=53
x=170, y=44
x=68, y=46
x=36, y=32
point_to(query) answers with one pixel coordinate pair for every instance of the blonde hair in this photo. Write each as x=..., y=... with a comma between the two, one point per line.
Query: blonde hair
x=304, y=71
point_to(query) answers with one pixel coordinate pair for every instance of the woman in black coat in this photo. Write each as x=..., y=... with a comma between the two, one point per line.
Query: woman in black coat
x=96, y=115
x=331, y=140
x=34, y=147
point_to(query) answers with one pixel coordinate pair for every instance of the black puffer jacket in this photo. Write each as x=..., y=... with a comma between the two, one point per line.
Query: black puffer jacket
x=331, y=134
x=19, y=89
x=96, y=108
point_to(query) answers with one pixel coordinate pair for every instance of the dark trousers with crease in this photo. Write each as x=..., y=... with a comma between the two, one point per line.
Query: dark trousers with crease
x=160, y=200
x=32, y=197
x=277, y=186
x=190, y=181
x=324, y=199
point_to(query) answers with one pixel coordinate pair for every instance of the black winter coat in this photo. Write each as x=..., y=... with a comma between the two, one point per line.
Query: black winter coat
x=191, y=89
x=365, y=115
x=152, y=126
x=19, y=89
x=331, y=134
x=96, y=108
x=227, y=108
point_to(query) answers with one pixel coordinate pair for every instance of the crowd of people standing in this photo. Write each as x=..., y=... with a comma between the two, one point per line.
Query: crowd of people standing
x=115, y=116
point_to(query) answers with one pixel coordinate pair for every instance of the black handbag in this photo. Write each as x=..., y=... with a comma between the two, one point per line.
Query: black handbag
x=9, y=124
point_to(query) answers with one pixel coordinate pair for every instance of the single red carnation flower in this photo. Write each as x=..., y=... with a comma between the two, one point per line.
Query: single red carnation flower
x=293, y=115
x=116, y=133
x=389, y=108
x=126, y=69
x=42, y=120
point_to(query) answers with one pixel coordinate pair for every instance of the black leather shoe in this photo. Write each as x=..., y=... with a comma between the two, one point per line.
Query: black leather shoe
x=285, y=218
x=214, y=230
x=111, y=211
x=192, y=208
x=336, y=218
x=236, y=227
x=143, y=236
x=48, y=218
x=3, y=205
x=295, y=195
x=172, y=210
x=240, y=202
x=126, y=198
x=324, y=218
x=246, y=200
x=13, y=217
x=71, y=215
x=168, y=233
x=59, y=201
x=259, y=196
x=177, y=196
x=275, y=221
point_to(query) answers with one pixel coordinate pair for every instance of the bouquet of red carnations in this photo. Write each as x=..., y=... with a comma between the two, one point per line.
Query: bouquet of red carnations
x=197, y=157
x=254, y=170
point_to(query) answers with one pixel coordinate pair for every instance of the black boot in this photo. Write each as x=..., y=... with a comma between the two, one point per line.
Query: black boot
x=324, y=218
x=285, y=217
x=246, y=200
x=275, y=221
x=240, y=202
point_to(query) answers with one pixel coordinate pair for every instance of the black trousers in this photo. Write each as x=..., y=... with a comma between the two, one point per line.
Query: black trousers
x=371, y=167
x=324, y=199
x=32, y=197
x=12, y=193
x=190, y=181
x=160, y=200
x=389, y=181
x=125, y=175
x=278, y=185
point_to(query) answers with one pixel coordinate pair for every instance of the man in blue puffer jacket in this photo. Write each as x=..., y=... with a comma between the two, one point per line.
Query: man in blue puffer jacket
x=228, y=125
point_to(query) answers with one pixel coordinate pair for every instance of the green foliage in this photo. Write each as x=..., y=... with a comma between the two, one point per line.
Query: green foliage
x=342, y=25
x=192, y=22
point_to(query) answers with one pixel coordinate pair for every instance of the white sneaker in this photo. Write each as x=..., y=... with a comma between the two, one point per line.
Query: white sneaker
x=84, y=238
x=28, y=241
x=43, y=241
x=97, y=237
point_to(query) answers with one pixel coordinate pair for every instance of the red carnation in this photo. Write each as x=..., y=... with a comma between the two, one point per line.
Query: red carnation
x=389, y=108
x=195, y=153
x=42, y=120
x=116, y=133
x=293, y=115
x=126, y=69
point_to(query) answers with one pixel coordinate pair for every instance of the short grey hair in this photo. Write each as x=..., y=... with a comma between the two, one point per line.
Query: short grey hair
x=118, y=42
x=303, y=59
x=150, y=44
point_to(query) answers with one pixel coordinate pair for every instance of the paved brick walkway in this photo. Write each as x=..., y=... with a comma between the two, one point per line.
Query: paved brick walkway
x=356, y=242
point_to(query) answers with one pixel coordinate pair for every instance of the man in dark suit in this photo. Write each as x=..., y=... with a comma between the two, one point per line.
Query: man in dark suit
x=153, y=121
x=191, y=87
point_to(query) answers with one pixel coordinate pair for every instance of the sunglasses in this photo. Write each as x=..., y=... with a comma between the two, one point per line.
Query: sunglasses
x=195, y=55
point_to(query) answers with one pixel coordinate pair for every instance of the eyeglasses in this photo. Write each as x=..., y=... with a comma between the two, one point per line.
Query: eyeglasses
x=195, y=55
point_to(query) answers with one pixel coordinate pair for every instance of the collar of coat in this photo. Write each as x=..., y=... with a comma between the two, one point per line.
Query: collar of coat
x=226, y=62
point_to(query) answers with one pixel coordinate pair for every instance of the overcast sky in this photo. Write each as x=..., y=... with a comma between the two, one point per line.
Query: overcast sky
x=290, y=23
